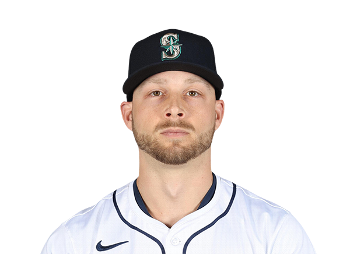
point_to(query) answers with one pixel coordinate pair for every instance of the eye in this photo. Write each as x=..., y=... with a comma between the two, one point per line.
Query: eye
x=192, y=93
x=156, y=93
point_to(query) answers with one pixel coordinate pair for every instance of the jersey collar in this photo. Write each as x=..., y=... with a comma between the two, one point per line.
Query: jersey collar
x=205, y=201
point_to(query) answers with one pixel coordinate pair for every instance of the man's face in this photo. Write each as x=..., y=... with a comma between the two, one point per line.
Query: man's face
x=174, y=116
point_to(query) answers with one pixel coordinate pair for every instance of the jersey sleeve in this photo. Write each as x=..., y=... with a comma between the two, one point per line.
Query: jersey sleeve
x=59, y=242
x=291, y=238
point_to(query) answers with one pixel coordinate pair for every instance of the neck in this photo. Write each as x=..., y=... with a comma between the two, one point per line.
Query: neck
x=171, y=192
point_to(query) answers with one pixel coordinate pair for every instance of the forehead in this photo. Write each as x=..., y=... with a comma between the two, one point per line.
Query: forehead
x=180, y=77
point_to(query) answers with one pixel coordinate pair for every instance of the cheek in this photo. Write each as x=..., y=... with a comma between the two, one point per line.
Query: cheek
x=205, y=117
x=143, y=119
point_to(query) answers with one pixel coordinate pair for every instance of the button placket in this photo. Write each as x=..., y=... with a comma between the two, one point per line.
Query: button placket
x=175, y=241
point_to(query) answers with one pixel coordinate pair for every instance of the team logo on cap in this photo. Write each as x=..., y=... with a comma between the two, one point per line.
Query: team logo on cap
x=170, y=42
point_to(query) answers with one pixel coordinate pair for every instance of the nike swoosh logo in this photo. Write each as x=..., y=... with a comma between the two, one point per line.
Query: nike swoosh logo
x=99, y=246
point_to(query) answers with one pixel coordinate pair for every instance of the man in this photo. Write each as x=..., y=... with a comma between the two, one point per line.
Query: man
x=177, y=205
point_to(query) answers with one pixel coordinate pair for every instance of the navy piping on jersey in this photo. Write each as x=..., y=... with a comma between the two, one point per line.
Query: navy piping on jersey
x=214, y=221
x=205, y=201
x=139, y=199
x=191, y=237
x=134, y=227
x=209, y=195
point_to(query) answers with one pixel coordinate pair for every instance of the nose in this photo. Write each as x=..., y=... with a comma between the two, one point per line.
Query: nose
x=174, y=110
x=169, y=115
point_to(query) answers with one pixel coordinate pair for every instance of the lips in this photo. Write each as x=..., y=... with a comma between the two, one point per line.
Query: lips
x=174, y=131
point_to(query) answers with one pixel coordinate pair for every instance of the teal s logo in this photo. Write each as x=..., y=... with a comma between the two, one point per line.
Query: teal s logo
x=170, y=42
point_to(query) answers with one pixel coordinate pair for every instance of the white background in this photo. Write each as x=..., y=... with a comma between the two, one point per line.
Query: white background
x=21, y=21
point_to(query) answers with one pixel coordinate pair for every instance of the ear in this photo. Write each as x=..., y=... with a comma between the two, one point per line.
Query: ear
x=126, y=109
x=219, y=110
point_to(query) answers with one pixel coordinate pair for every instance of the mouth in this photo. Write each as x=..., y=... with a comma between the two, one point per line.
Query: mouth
x=174, y=133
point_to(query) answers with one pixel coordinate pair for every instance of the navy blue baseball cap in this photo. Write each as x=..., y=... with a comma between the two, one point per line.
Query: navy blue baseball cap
x=172, y=50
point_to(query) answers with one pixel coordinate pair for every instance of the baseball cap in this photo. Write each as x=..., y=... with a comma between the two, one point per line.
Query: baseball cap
x=172, y=50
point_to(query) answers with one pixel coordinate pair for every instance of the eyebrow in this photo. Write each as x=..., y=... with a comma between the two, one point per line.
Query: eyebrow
x=152, y=80
x=200, y=80
x=161, y=81
x=155, y=80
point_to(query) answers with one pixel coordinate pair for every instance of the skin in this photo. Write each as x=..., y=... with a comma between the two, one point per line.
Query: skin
x=176, y=109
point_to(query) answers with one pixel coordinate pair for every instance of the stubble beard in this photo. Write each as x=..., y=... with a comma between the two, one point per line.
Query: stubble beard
x=175, y=153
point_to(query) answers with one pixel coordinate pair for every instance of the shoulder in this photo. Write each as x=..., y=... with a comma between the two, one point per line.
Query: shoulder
x=259, y=212
x=86, y=215
x=265, y=222
x=82, y=225
x=258, y=203
x=59, y=242
x=247, y=201
x=291, y=236
x=102, y=210
x=249, y=210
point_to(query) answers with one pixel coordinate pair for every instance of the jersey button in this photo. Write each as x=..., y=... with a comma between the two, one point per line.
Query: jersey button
x=175, y=241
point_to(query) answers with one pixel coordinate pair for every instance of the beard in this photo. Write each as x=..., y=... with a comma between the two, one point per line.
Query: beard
x=175, y=153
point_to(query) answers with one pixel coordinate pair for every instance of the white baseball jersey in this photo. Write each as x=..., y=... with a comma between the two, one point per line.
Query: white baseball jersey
x=233, y=220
